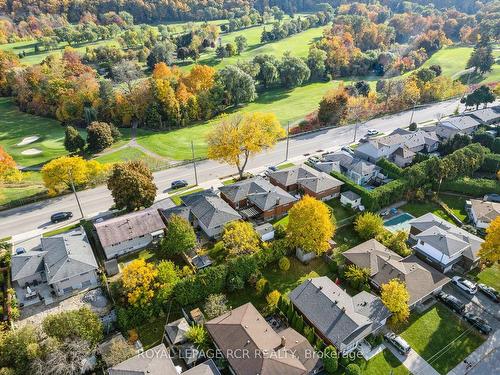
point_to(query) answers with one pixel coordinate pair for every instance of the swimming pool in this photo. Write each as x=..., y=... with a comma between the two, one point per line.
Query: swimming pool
x=399, y=222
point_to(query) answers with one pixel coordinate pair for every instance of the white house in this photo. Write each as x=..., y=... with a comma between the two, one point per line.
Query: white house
x=482, y=213
x=127, y=233
x=350, y=198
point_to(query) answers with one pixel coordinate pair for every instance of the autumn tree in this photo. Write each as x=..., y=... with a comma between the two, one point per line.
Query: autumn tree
x=215, y=305
x=272, y=299
x=239, y=238
x=490, y=248
x=99, y=136
x=8, y=168
x=368, y=225
x=70, y=172
x=395, y=297
x=310, y=225
x=119, y=351
x=333, y=106
x=73, y=141
x=180, y=236
x=357, y=276
x=238, y=137
x=139, y=282
x=132, y=185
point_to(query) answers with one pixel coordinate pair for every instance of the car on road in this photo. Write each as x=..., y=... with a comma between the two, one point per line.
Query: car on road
x=452, y=302
x=490, y=292
x=314, y=159
x=464, y=284
x=401, y=345
x=177, y=184
x=61, y=216
x=372, y=132
x=478, y=323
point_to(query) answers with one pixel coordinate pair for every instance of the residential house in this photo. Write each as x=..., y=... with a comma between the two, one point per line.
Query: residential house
x=308, y=181
x=339, y=319
x=350, y=198
x=463, y=124
x=65, y=263
x=358, y=170
x=130, y=232
x=207, y=211
x=487, y=116
x=400, y=147
x=158, y=361
x=257, y=198
x=482, y=213
x=421, y=279
x=251, y=346
x=444, y=245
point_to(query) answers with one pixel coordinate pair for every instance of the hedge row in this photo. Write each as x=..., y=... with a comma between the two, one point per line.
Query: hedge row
x=496, y=146
x=491, y=163
x=390, y=169
x=476, y=187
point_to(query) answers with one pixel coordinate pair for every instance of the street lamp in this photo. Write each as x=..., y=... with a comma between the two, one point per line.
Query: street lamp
x=74, y=192
x=194, y=164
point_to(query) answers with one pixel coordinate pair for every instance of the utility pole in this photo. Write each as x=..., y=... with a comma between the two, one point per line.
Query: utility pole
x=355, y=131
x=287, y=139
x=194, y=164
x=76, y=195
x=412, y=111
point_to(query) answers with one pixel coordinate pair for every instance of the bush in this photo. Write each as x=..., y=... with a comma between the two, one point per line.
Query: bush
x=99, y=136
x=391, y=169
x=495, y=147
x=330, y=359
x=491, y=163
x=284, y=264
x=353, y=369
x=476, y=187
x=262, y=285
x=273, y=298
x=211, y=280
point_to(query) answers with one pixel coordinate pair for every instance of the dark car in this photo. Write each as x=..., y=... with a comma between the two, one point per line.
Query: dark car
x=490, y=292
x=61, y=216
x=177, y=184
x=478, y=323
x=452, y=302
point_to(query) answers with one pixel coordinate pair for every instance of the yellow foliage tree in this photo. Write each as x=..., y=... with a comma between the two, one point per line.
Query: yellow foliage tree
x=272, y=298
x=200, y=78
x=395, y=297
x=69, y=171
x=240, y=238
x=8, y=170
x=238, y=137
x=139, y=282
x=310, y=225
x=490, y=248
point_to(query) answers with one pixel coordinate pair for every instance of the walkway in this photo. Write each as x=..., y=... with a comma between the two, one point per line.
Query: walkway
x=483, y=360
x=413, y=362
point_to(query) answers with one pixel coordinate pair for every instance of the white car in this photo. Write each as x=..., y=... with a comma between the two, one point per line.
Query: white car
x=464, y=284
x=372, y=132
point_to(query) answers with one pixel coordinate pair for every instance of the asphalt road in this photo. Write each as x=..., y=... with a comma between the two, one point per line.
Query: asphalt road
x=33, y=218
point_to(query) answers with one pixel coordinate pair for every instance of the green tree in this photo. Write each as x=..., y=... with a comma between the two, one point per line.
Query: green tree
x=357, y=276
x=330, y=360
x=18, y=347
x=481, y=95
x=168, y=276
x=352, y=369
x=161, y=52
x=132, y=186
x=179, y=238
x=316, y=63
x=268, y=73
x=99, y=136
x=368, y=225
x=239, y=87
x=215, y=305
x=241, y=43
x=293, y=71
x=73, y=141
x=481, y=58
x=198, y=335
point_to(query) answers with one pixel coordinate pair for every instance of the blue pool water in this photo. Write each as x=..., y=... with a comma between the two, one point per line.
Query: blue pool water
x=399, y=222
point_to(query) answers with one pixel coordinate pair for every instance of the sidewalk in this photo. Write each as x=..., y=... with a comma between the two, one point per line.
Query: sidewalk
x=484, y=360
x=413, y=362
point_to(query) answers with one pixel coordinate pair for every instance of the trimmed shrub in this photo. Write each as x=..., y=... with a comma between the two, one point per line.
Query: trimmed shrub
x=495, y=147
x=284, y=264
x=391, y=169
x=491, y=163
x=475, y=187
x=353, y=369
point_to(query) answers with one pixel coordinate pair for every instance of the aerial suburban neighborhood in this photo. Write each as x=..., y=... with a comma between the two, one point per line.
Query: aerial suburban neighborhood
x=250, y=187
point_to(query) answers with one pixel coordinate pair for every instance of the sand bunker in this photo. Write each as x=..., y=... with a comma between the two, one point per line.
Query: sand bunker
x=28, y=140
x=31, y=151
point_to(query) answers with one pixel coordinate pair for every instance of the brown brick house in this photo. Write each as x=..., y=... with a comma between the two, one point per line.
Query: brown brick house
x=306, y=180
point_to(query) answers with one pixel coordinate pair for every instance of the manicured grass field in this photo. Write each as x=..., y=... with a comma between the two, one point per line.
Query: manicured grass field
x=346, y=237
x=441, y=338
x=456, y=205
x=489, y=276
x=340, y=212
x=382, y=363
x=421, y=208
x=13, y=193
x=16, y=125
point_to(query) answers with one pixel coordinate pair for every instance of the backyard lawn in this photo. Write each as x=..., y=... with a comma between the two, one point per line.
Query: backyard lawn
x=382, y=363
x=339, y=211
x=489, y=276
x=346, y=237
x=456, y=205
x=441, y=338
x=421, y=208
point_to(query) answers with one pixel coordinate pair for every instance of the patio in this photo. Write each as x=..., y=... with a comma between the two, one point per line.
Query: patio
x=40, y=293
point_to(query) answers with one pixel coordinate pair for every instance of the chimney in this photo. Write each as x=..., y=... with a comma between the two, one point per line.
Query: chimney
x=283, y=341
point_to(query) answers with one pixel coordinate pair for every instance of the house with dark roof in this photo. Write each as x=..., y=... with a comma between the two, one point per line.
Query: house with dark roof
x=257, y=198
x=487, y=116
x=307, y=181
x=462, y=124
x=251, y=346
x=65, y=263
x=206, y=211
x=444, y=245
x=130, y=232
x=421, y=279
x=482, y=212
x=339, y=319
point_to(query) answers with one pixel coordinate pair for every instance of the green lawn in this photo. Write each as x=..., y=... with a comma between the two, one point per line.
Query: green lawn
x=151, y=333
x=12, y=193
x=177, y=197
x=384, y=363
x=421, y=208
x=456, y=205
x=346, y=237
x=339, y=211
x=438, y=328
x=489, y=276
x=61, y=230
x=284, y=166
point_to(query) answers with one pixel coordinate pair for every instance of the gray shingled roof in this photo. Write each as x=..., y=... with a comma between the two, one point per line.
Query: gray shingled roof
x=459, y=122
x=26, y=264
x=176, y=331
x=210, y=209
x=350, y=162
x=205, y=368
x=259, y=192
x=67, y=255
x=306, y=176
x=420, y=278
x=485, y=211
x=339, y=317
x=155, y=361
x=487, y=114
x=350, y=195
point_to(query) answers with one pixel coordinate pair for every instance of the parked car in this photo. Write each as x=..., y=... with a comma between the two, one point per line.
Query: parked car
x=314, y=159
x=401, y=345
x=478, y=323
x=372, y=132
x=452, y=302
x=347, y=149
x=464, y=284
x=177, y=184
x=490, y=292
x=61, y=216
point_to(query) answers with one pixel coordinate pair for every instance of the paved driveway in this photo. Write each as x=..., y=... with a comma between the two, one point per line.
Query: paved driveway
x=413, y=362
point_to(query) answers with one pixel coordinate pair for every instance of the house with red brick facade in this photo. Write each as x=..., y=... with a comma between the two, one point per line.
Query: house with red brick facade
x=258, y=199
x=307, y=181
